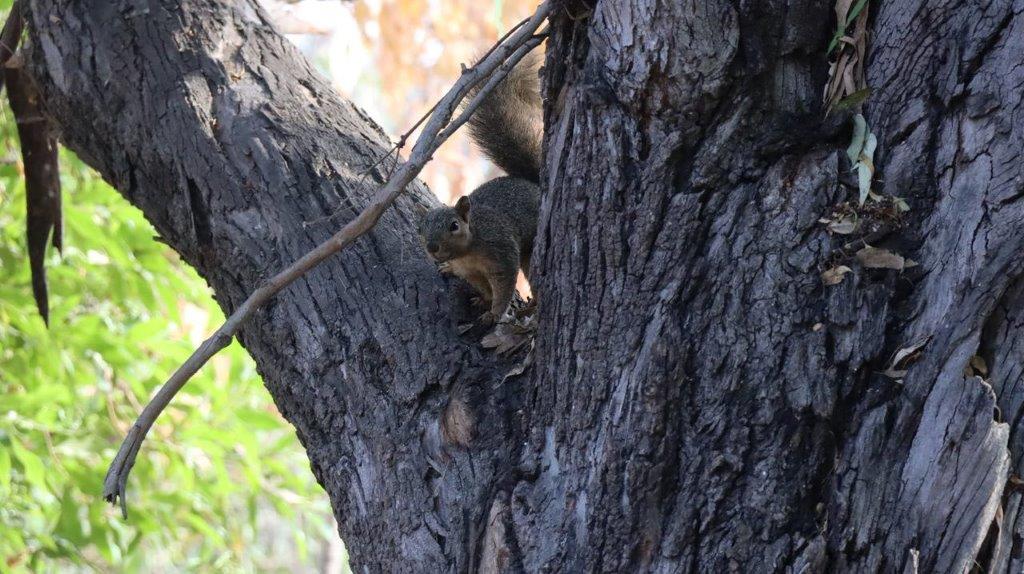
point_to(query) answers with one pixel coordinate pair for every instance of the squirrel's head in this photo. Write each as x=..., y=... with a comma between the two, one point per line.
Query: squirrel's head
x=445, y=231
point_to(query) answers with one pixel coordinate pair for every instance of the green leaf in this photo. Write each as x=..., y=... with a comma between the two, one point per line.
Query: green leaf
x=855, y=12
x=853, y=100
x=124, y=309
x=5, y=470
x=842, y=26
x=866, y=167
x=31, y=465
x=258, y=419
x=860, y=127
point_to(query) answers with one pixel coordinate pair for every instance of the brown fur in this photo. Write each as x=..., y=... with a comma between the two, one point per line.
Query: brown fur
x=508, y=125
x=488, y=236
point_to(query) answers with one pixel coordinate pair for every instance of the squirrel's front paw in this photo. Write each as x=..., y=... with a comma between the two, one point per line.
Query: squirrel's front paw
x=477, y=301
x=445, y=267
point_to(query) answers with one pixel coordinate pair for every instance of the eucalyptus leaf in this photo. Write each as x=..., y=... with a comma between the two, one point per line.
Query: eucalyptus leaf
x=863, y=182
x=860, y=127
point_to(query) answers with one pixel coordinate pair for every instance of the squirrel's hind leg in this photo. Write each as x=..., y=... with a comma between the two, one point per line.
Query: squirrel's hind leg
x=503, y=287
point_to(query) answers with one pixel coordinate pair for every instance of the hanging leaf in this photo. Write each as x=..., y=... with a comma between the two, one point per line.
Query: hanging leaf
x=860, y=130
x=861, y=152
x=842, y=18
x=853, y=100
x=856, y=11
x=863, y=183
x=10, y=35
x=42, y=181
x=846, y=87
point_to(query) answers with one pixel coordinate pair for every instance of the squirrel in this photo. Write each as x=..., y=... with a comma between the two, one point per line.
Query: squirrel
x=488, y=235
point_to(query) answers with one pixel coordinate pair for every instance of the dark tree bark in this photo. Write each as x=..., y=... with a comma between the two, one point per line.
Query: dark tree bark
x=698, y=400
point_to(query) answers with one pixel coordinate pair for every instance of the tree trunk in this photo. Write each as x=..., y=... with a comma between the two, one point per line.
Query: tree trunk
x=698, y=399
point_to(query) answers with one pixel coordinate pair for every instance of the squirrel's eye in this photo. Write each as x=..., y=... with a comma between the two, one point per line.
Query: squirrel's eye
x=454, y=227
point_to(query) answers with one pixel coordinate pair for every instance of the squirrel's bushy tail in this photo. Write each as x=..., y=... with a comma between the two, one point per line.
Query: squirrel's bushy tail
x=508, y=124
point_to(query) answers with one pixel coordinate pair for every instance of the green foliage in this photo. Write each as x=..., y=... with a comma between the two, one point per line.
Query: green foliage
x=844, y=23
x=124, y=313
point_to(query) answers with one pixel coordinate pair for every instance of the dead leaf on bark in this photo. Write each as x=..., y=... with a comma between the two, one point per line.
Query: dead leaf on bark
x=510, y=336
x=834, y=276
x=903, y=357
x=976, y=367
x=843, y=226
x=503, y=340
x=875, y=258
x=522, y=366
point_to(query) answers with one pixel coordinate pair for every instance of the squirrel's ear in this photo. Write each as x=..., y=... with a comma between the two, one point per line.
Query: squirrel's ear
x=462, y=207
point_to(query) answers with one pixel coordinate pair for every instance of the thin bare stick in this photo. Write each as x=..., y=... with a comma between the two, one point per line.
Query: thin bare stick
x=499, y=61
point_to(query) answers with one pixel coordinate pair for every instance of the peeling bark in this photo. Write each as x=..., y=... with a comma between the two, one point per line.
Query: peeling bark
x=699, y=400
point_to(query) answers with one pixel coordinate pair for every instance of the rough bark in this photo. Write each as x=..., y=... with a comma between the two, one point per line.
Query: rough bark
x=698, y=400
x=235, y=149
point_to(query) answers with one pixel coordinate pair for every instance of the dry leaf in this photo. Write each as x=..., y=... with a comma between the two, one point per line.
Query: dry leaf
x=834, y=276
x=846, y=71
x=894, y=373
x=522, y=366
x=875, y=258
x=903, y=357
x=844, y=226
x=506, y=337
x=842, y=9
x=979, y=365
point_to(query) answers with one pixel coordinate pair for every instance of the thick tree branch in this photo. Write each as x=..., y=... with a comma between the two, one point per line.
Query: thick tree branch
x=493, y=67
x=698, y=399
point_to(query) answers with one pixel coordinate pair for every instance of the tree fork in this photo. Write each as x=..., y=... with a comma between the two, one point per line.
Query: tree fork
x=699, y=400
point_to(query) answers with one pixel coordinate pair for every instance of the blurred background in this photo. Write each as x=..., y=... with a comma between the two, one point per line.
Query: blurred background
x=222, y=484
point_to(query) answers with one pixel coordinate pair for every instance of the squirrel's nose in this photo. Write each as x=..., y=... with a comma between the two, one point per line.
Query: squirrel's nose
x=432, y=247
